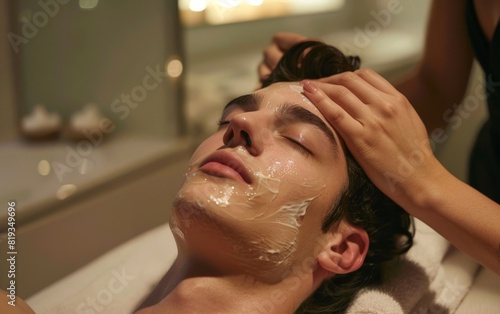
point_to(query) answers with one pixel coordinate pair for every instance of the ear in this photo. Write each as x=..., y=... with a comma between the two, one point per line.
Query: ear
x=345, y=249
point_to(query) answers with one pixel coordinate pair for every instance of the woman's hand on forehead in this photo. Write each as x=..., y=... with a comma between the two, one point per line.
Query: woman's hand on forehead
x=378, y=124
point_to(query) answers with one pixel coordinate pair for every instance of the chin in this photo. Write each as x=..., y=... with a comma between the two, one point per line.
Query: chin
x=228, y=245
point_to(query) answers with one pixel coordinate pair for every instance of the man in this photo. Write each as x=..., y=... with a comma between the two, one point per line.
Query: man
x=274, y=215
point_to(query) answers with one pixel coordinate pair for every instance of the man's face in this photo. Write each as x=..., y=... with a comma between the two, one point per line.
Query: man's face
x=257, y=190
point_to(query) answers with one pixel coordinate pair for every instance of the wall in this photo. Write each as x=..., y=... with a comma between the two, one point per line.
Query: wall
x=86, y=225
x=75, y=56
x=8, y=97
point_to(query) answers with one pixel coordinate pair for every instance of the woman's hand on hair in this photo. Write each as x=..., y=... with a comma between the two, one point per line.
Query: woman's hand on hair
x=380, y=128
x=272, y=54
x=388, y=139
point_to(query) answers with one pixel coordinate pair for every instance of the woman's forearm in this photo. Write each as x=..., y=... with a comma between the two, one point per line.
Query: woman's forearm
x=464, y=216
x=385, y=135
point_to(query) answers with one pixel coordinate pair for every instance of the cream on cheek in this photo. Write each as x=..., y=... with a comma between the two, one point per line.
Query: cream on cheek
x=281, y=224
x=261, y=220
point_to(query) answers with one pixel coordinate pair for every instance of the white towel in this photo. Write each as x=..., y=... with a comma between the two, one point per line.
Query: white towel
x=432, y=277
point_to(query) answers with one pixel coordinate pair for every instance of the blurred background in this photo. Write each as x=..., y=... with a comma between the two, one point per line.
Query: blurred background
x=103, y=101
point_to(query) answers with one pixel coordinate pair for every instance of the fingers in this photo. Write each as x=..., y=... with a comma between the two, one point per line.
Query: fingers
x=376, y=80
x=280, y=43
x=272, y=55
x=336, y=115
x=357, y=84
x=263, y=70
x=345, y=98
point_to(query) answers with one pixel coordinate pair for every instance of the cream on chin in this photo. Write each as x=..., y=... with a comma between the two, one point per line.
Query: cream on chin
x=260, y=222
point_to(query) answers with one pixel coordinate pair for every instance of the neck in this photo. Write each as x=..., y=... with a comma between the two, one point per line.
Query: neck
x=189, y=287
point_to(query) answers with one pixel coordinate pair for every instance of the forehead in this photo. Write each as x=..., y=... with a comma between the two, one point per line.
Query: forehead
x=277, y=93
x=273, y=96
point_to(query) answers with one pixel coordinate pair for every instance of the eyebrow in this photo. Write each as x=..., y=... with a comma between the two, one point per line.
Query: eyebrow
x=294, y=113
x=249, y=102
x=289, y=112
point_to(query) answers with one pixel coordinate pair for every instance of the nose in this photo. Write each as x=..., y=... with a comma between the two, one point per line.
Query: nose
x=243, y=131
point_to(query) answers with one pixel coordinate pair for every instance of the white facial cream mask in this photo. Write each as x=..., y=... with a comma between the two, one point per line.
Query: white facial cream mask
x=262, y=227
x=258, y=221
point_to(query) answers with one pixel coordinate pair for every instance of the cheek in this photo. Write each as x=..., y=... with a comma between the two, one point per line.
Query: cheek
x=208, y=146
x=300, y=178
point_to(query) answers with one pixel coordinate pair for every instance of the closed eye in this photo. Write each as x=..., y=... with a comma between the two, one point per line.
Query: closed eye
x=299, y=146
x=222, y=122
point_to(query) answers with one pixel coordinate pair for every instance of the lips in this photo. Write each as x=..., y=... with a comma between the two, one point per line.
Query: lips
x=226, y=165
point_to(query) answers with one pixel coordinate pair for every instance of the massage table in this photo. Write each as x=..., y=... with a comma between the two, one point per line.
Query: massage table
x=433, y=277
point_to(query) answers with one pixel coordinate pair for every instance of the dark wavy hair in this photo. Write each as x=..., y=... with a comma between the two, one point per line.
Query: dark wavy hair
x=389, y=227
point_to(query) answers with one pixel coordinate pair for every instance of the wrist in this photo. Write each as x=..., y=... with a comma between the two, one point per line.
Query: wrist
x=423, y=187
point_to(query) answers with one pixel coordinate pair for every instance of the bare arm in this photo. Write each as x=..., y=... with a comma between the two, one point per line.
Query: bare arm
x=17, y=307
x=388, y=139
x=467, y=218
x=440, y=79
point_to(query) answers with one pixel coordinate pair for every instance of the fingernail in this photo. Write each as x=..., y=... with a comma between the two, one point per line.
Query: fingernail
x=309, y=86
